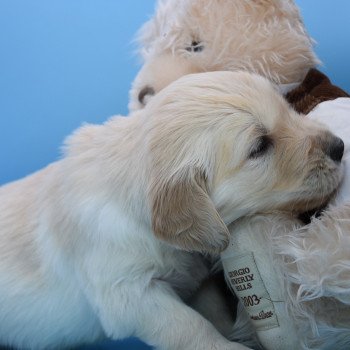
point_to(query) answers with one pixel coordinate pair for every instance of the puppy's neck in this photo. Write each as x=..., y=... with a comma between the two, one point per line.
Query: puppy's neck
x=110, y=162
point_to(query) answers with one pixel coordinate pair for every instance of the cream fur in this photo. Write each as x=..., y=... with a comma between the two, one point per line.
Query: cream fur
x=78, y=257
x=262, y=36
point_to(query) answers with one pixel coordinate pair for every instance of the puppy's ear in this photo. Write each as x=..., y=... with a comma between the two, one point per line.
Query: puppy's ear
x=184, y=215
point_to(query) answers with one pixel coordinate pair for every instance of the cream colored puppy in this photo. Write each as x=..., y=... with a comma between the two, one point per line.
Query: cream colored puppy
x=104, y=241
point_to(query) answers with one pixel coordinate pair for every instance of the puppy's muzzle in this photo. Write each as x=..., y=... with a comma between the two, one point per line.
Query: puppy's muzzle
x=335, y=149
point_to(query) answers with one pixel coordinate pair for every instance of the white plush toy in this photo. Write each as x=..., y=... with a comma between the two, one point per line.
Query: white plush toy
x=302, y=300
x=300, y=295
x=257, y=280
x=189, y=36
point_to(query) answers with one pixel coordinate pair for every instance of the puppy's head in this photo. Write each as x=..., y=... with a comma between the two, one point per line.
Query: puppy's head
x=223, y=145
x=188, y=36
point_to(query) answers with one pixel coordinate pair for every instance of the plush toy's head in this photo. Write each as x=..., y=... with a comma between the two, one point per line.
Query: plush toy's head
x=189, y=36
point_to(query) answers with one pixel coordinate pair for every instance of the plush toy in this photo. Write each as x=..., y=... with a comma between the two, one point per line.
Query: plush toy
x=293, y=282
x=301, y=287
x=252, y=270
x=188, y=36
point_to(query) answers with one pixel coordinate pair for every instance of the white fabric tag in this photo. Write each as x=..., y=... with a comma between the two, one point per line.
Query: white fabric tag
x=244, y=277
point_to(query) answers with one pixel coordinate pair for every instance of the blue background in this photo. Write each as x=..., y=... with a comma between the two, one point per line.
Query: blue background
x=63, y=62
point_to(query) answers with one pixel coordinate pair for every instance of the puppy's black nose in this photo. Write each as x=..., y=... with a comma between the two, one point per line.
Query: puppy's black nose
x=336, y=149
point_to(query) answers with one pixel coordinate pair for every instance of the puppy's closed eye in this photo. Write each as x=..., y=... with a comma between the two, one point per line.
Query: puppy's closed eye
x=260, y=147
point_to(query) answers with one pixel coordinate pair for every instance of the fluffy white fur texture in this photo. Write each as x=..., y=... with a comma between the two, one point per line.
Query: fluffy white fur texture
x=336, y=115
x=188, y=36
x=103, y=242
x=256, y=235
x=313, y=261
x=316, y=264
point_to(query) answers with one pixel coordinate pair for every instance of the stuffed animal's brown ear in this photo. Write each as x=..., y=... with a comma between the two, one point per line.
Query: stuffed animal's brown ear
x=315, y=88
x=184, y=215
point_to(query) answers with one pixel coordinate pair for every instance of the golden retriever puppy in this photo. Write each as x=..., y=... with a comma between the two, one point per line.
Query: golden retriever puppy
x=105, y=241
x=267, y=37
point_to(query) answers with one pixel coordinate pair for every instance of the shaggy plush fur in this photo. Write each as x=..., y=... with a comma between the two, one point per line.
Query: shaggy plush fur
x=187, y=36
x=314, y=266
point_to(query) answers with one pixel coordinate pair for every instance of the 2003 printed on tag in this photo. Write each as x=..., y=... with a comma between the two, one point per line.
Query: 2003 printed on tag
x=242, y=273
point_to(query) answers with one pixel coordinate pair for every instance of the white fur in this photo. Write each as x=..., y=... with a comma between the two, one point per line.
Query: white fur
x=253, y=237
x=313, y=262
x=336, y=115
x=79, y=259
x=319, y=279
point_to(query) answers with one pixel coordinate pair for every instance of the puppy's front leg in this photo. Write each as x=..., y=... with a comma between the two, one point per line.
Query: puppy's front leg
x=157, y=316
x=150, y=309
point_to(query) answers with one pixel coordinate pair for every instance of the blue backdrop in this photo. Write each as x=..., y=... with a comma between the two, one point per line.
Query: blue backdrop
x=63, y=62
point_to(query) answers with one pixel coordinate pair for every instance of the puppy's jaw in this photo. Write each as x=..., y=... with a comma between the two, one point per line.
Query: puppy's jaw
x=320, y=174
x=307, y=169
